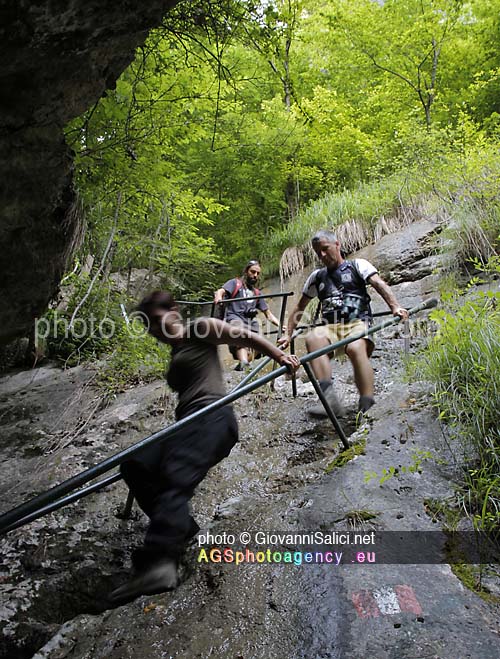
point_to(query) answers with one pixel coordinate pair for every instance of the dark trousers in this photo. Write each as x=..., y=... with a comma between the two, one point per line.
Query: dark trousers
x=163, y=479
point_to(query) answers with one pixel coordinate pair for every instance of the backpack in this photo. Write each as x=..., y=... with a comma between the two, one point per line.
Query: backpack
x=239, y=286
x=220, y=311
x=344, y=305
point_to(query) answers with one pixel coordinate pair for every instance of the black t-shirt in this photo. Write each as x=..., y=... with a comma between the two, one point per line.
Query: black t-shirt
x=334, y=286
x=195, y=374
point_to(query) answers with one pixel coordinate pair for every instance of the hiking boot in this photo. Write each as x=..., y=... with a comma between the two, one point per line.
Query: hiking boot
x=333, y=401
x=364, y=404
x=242, y=366
x=156, y=579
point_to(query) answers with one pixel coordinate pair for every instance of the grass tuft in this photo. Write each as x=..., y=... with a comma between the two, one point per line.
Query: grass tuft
x=463, y=362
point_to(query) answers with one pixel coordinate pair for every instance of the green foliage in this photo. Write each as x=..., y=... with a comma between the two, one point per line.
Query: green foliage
x=358, y=518
x=472, y=577
x=136, y=358
x=453, y=176
x=187, y=140
x=234, y=115
x=86, y=336
x=97, y=330
x=444, y=512
x=345, y=456
x=464, y=182
x=364, y=203
x=463, y=360
x=418, y=457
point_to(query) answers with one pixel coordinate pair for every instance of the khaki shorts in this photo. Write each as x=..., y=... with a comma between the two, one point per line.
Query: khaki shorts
x=338, y=331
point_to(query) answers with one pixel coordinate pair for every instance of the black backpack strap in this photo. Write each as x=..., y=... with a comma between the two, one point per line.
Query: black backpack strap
x=361, y=280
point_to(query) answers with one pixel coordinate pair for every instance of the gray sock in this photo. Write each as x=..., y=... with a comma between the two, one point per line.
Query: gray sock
x=324, y=384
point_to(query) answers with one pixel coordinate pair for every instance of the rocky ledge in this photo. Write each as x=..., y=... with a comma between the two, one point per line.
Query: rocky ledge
x=57, y=60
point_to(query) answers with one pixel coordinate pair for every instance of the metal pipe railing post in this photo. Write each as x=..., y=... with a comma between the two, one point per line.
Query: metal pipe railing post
x=406, y=336
x=264, y=362
x=282, y=315
x=328, y=409
x=280, y=327
x=23, y=511
x=294, y=375
x=127, y=510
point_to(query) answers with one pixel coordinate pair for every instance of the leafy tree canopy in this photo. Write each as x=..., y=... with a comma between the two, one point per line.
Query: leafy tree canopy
x=234, y=115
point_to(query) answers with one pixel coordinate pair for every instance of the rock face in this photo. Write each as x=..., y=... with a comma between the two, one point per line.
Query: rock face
x=406, y=255
x=58, y=57
x=135, y=283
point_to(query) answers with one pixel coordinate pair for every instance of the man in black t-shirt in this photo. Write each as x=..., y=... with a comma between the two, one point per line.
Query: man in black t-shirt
x=243, y=311
x=163, y=476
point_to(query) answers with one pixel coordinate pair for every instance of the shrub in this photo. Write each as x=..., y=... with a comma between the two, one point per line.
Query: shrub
x=463, y=361
x=76, y=333
x=136, y=358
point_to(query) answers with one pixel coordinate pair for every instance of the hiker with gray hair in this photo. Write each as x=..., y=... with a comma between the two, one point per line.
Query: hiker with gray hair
x=341, y=287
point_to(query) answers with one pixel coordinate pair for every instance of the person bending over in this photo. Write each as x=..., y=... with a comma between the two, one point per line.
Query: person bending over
x=163, y=477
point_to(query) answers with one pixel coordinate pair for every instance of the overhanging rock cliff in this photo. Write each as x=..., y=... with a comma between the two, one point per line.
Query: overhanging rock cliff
x=57, y=58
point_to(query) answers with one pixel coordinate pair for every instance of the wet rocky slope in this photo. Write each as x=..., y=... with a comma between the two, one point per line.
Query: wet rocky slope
x=281, y=477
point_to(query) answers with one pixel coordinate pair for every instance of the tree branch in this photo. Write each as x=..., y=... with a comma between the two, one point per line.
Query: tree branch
x=101, y=266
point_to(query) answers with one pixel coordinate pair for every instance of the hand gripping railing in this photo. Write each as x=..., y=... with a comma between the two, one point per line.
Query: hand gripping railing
x=56, y=498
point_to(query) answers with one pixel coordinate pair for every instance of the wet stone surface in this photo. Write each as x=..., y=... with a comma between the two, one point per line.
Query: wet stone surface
x=57, y=571
x=62, y=566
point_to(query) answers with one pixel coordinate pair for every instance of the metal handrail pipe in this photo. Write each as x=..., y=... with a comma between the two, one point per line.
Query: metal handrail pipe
x=226, y=301
x=12, y=516
x=264, y=362
x=23, y=510
x=64, y=501
x=255, y=297
x=329, y=411
x=378, y=314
